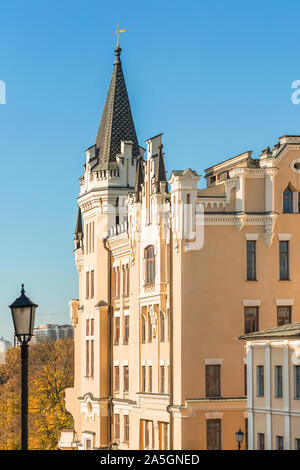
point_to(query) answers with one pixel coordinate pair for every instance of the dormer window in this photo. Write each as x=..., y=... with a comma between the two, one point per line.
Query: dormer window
x=288, y=201
x=150, y=265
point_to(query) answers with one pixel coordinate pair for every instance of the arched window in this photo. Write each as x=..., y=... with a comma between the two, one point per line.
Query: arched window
x=150, y=264
x=288, y=201
x=143, y=329
x=162, y=327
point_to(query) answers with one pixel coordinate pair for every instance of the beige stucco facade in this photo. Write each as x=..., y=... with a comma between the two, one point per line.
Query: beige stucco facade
x=197, y=296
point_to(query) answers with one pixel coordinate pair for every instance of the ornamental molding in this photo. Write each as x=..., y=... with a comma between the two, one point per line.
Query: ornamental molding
x=286, y=150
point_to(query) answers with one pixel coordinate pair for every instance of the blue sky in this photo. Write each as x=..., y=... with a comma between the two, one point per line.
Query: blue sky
x=214, y=76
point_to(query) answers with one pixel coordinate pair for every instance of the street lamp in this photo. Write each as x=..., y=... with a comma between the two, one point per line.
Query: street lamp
x=239, y=435
x=23, y=313
x=114, y=445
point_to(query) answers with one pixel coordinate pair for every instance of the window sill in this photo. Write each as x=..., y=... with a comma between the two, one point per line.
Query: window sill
x=280, y=280
x=251, y=280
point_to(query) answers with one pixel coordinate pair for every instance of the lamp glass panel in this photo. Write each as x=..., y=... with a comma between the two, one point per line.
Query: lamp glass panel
x=21, y=316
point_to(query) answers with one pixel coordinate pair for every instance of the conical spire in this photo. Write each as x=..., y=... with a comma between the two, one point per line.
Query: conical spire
x=139, y=180
x=116, y=122
x=160, y=172
x=78, y=235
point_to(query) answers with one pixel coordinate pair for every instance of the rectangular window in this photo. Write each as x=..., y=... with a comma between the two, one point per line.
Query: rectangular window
x=92, y=327
x=260, y=441
x=87, y=358
x=116, y=379
x=297, y=381
x=92, y=284
x=143, y=378
x=150, y=265
x=87, y=285
x=126, y=428
x=114, y=289
x=162, y=379
x=245, y=379
x=147, y=434
x=117, y=330
x=125, y=269
x=87, y=329
x=118, y=282
x=213, y=434
x=124, y=279
x=251, y=319
x=162, y=327
x=297, y=444
x=246, y=433
x=126, y=329
x=117, y=427
x=260, y=381
x=278, y=381
x=251, y=260
x=127, y=280
x=149, y=329
x=166, y=435
x=212, y=374
x=150, y=379
x=284, y=272
x=126, y=379
x=143, y=328
x=284, y=315
x=92, y=358
x=279, y=442
x=88, y=444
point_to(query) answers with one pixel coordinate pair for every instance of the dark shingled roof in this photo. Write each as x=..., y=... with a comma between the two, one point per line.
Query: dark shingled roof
x=160, y=172
x=139, y=180
x=116, y=122
x=78, y=235
x=286, y=331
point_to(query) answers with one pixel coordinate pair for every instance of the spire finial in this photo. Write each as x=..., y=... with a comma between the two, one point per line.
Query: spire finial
x=22, y=290
x=118, y=31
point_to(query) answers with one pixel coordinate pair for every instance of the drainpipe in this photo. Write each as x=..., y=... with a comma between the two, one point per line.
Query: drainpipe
x=110, y=350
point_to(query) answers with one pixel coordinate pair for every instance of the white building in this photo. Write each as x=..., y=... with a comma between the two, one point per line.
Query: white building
x=273, y=388
x=4, y=346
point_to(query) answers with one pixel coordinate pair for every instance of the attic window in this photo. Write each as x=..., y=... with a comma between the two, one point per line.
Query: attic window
x=212, y=179
x=297, y=166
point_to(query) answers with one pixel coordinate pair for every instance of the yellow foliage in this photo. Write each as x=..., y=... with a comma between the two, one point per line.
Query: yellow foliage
x=51, y=371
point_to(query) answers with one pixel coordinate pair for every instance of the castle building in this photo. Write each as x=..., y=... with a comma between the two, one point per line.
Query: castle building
x=169, y=277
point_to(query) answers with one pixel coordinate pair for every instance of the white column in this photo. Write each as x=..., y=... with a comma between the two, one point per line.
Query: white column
x=240, y=195
x=286, y=398
x=250, y=431
x=269, y=193
x=268, y=396
x=250, y=396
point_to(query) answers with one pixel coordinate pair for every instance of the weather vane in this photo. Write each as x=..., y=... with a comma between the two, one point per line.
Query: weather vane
x=118, y=31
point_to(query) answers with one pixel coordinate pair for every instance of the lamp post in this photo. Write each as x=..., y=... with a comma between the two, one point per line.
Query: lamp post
x=114, y=445
x=239, y=435
x=23, y=313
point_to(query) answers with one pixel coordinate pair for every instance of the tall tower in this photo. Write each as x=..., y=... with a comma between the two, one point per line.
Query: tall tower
x=109, y=175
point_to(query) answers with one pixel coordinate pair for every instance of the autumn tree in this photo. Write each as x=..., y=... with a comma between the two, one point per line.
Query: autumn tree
x=51, y=371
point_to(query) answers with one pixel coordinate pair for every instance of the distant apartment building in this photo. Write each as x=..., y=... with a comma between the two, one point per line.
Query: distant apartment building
x=50, y=332
x=4, y=346
x=273, y=388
